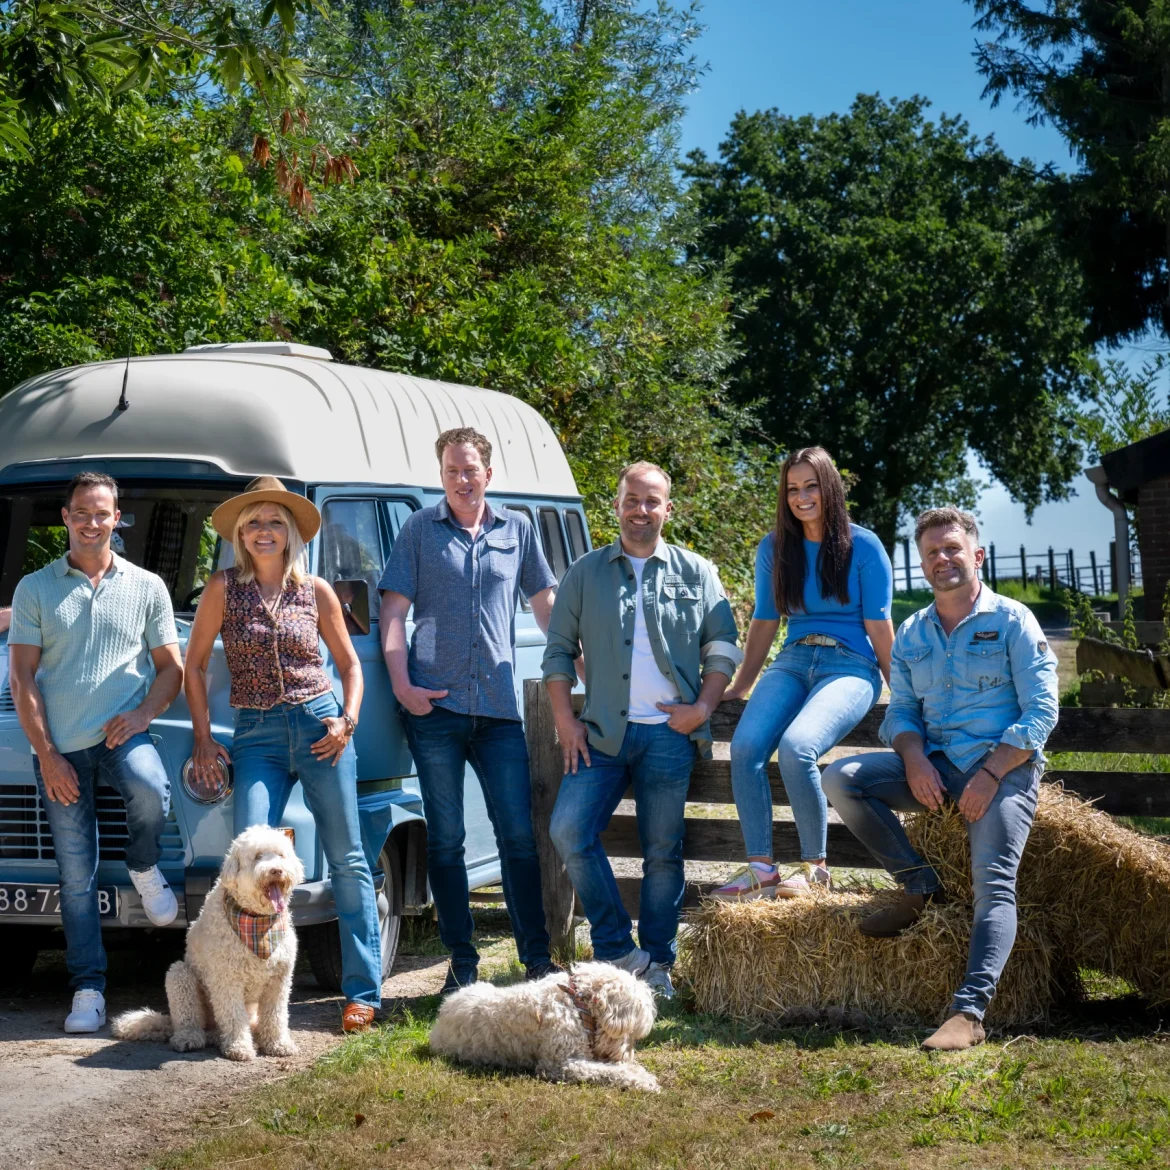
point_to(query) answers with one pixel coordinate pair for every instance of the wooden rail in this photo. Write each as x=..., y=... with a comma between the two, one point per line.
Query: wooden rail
x=1081, y=729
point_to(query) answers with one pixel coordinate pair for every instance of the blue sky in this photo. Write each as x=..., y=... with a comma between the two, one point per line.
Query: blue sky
x=815, y=56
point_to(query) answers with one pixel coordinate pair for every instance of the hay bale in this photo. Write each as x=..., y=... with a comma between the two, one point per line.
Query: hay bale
x=795, y=959
x=1101, y=890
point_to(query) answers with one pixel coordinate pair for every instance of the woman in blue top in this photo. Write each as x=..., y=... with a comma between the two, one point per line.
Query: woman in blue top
x=833, y=582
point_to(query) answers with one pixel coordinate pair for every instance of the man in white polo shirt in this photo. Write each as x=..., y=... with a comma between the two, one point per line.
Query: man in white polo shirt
x=93, y=659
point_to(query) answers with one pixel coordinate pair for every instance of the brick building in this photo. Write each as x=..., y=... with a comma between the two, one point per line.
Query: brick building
x=1140, y=474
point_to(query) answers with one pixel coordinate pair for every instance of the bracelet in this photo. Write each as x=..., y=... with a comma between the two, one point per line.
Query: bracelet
x=349, y=722
x=997, y=779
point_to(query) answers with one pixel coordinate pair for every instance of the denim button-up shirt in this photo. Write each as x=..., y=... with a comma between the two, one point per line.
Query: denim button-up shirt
x=992, y=680
x=465, y=594
x=688, y=620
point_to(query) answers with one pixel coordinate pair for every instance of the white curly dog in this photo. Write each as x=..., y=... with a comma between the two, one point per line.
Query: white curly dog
x=567, y=1027
x=237, y=973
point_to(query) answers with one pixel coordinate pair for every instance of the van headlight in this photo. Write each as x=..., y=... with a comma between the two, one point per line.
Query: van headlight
x=207, y=793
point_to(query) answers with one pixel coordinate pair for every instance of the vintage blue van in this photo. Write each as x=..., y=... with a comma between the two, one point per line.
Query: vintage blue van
x=181, y=433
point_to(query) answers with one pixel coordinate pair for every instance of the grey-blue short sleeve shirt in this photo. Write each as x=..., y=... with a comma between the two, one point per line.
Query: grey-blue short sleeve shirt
x=465, y=593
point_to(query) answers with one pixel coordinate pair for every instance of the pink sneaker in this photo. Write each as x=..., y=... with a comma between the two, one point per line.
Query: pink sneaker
x=799, y=884
x=749, y=884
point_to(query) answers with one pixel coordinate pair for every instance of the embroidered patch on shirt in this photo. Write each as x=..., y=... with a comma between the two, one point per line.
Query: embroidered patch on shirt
x=987, y=635
x=1042, y=647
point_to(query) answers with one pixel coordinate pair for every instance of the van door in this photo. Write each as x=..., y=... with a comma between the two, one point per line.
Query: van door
x=356, y=534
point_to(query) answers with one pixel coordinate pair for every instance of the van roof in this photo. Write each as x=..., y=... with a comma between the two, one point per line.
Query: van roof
x=256, y=413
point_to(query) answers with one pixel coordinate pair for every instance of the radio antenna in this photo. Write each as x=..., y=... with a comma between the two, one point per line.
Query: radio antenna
x=123, y=401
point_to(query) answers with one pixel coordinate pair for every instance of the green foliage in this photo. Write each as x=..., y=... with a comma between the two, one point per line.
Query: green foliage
x=1098, y=72
x=900, y=297
x=1127, y=407
x=513, y=225
x=45, y=545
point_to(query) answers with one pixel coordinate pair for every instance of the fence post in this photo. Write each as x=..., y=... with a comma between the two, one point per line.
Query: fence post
x=546, y=769
x=1023, y=567
x=1073, y=580
x=994, y=578
x=1113, y=569
x=1051, y=569
x=1093, y=567
x=906, y=560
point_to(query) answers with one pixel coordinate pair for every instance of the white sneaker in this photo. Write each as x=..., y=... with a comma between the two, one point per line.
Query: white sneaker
x=801, y=884
x=636, y=962
x=158, y=900
x=89, y=1011
x=657, y=978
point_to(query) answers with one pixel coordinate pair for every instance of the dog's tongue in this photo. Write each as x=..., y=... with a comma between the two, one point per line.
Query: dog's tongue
x=276, y=897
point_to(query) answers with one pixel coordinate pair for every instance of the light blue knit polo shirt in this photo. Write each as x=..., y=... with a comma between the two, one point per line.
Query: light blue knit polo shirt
x=95, y=643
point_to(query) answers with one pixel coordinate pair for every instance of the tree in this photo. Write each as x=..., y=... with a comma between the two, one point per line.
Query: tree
x=899, y=298
x=511, y=224
x=56, y=55
x=1128, y=408
x=1099, y=71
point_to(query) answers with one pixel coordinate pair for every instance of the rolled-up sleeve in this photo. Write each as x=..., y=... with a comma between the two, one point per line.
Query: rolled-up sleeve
x=719, y=650
x=1037, y=689
x=563, y=641
x=905, y=710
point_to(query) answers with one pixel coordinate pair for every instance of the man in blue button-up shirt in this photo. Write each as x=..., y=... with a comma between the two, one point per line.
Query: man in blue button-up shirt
x=463, y=565
x=973, y=698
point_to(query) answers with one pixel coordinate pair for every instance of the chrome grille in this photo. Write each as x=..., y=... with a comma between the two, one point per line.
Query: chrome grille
x=25, y=836
x=7, y=703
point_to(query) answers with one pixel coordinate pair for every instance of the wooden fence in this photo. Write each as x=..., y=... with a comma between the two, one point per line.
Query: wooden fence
x=1081, y=729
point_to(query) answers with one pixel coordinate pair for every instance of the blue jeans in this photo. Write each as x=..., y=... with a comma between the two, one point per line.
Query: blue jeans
x=658, y=762
x=443, y=743
x=137, y=772
x=270, y=753
x=809, y=699
x=867, y=791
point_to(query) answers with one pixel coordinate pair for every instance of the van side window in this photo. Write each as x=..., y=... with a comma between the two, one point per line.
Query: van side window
x=553, y=540
x=351, y=544
x=394, y=514
x=578, y=543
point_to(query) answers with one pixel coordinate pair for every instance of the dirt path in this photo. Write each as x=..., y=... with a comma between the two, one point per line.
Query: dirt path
x=80, y=1101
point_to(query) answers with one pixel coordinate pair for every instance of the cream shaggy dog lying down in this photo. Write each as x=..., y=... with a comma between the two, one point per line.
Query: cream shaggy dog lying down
x=581, y=1027
x=237, y=973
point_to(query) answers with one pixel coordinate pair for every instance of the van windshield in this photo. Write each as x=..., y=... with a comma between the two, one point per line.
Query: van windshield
x=164, y=528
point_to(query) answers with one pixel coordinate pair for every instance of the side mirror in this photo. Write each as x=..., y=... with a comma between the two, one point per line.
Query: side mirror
x=355, y=604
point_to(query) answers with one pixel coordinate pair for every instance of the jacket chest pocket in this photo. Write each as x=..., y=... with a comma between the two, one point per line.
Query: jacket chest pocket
x=985, y=665
x=921, y=666
x=502, y=557
x=681, y=604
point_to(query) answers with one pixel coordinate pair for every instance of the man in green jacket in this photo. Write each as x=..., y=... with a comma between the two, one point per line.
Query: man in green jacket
x=659, y=641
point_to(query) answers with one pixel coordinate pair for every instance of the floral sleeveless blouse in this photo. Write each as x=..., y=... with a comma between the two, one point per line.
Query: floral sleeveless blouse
x=272, y=659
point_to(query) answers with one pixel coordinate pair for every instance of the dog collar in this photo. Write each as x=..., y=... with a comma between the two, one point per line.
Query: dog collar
x=260, y=933
x=581, y=1003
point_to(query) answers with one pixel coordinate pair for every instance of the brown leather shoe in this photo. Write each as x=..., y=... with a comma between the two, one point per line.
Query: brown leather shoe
x=890, y=921
x=960, y=1031
x=357, y=1017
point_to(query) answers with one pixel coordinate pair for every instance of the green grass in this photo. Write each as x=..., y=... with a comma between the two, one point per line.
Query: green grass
x=1086, y=1096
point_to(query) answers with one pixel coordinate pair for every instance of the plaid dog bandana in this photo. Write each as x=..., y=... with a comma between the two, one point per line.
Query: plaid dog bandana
x=260, y=933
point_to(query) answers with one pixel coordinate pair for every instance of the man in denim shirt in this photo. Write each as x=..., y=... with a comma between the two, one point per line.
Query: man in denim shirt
x=973, y=698
x=659, y=638
x=463, y=564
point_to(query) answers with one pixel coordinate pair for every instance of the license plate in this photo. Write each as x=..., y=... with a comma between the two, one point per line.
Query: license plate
x=17, y=900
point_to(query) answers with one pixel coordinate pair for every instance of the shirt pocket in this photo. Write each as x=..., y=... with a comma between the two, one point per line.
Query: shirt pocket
x=920, y=663
x=682, y=589
x=985, y=665
x=503, y=557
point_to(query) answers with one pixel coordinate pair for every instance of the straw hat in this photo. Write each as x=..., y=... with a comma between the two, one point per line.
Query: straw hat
x=267, y=489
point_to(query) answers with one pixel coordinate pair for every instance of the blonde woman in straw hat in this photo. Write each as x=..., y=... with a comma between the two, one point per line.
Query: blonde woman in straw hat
x=289, y=726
